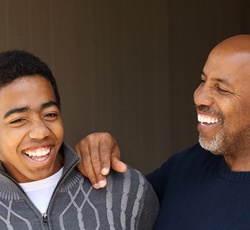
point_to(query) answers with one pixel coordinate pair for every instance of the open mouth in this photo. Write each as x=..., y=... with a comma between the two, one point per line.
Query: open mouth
x=207, y=119
x=38, y=154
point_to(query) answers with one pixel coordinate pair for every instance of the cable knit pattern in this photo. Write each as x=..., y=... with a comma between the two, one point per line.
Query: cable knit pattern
x=128, y=202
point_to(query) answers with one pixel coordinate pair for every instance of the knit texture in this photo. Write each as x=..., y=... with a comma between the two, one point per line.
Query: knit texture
x=128, y=202
x=197, y=190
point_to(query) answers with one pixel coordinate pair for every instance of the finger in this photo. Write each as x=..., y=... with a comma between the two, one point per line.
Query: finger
x=105, y=149
x=94, y=152
x=85, y=165
x=118, y=165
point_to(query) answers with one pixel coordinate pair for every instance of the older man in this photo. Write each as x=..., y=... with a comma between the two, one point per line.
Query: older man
x=207, y=186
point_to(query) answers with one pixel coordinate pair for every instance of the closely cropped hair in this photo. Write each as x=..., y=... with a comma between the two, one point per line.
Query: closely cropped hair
x=16, y=64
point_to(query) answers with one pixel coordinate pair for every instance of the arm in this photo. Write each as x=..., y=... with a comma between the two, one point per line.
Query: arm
x=99, y=152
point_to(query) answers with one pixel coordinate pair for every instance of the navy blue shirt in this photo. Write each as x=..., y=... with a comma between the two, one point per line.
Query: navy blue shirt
x=197, y=190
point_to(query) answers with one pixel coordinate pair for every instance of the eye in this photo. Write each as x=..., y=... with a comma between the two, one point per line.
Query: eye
x=51, y=116
x=18, y=122
x=202, y=80
x=221, y=89
x=201, y=83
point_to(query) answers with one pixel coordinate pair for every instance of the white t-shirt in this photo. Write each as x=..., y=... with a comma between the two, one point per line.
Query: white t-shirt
x=40, y=192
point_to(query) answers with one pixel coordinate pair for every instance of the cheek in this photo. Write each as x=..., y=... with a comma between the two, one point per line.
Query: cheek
x=237, y=116
x=243, y=116
x=8, y=147
x=58, y=130
x=60, y=133
x=11, y=138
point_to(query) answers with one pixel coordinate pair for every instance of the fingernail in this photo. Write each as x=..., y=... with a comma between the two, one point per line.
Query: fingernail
x=96, y=186
x=105, y=171
x=102, y=183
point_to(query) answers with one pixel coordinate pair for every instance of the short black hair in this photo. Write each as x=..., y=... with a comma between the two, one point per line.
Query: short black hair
x=16, y=64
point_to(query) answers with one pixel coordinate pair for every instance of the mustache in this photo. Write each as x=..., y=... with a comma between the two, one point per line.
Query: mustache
x=209, y=110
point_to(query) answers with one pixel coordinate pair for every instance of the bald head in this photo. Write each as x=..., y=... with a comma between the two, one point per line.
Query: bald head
x=224, y=98
x=236, y=51
x=235, y=44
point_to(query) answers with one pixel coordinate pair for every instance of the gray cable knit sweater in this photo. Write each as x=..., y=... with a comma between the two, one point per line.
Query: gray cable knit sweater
x=128, y=202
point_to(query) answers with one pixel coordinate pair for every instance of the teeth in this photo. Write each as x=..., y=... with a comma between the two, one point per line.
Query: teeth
x=206, y=119
x=38, y=152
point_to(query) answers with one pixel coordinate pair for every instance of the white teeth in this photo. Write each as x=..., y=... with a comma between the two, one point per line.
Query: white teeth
x=38, y=152
x=206, y=119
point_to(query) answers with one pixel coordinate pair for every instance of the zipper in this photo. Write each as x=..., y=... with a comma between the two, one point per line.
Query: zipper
x=45, y=218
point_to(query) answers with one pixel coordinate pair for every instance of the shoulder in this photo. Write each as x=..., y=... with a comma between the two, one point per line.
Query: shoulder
x=180, y=164
x=138, y=196
x=191, y=155
x=132, y=180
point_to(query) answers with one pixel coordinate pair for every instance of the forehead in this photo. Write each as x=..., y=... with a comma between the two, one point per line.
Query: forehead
x=26, y=91
x=230, y=67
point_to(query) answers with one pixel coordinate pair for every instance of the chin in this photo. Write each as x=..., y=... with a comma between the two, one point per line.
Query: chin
x=214, y=145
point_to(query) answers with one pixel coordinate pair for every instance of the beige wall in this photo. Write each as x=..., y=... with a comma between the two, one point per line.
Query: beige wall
x=127, y=67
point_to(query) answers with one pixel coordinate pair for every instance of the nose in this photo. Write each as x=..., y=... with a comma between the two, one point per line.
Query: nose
x=39, y=130
x=203, y=96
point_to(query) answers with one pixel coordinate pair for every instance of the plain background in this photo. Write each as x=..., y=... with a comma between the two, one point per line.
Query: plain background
x=128, y=67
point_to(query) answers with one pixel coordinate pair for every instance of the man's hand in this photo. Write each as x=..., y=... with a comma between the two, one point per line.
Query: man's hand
x=99, y=152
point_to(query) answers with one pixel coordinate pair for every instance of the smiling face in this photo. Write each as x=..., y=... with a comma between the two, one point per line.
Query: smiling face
x=223, y=99
x=31, y=129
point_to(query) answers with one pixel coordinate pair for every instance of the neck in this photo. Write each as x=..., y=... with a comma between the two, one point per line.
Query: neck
x=238, y=164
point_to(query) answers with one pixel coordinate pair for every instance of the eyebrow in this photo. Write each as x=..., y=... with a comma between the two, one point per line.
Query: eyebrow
x=225, y=81
x=25, y=109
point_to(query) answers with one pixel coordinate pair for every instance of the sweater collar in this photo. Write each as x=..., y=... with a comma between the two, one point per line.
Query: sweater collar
x=230, y=175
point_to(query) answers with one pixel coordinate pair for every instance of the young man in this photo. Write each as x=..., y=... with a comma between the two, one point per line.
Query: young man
x=207, y=185
x=40, y=187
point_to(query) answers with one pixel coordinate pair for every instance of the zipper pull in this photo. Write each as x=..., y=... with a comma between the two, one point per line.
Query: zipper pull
x=45, y=218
